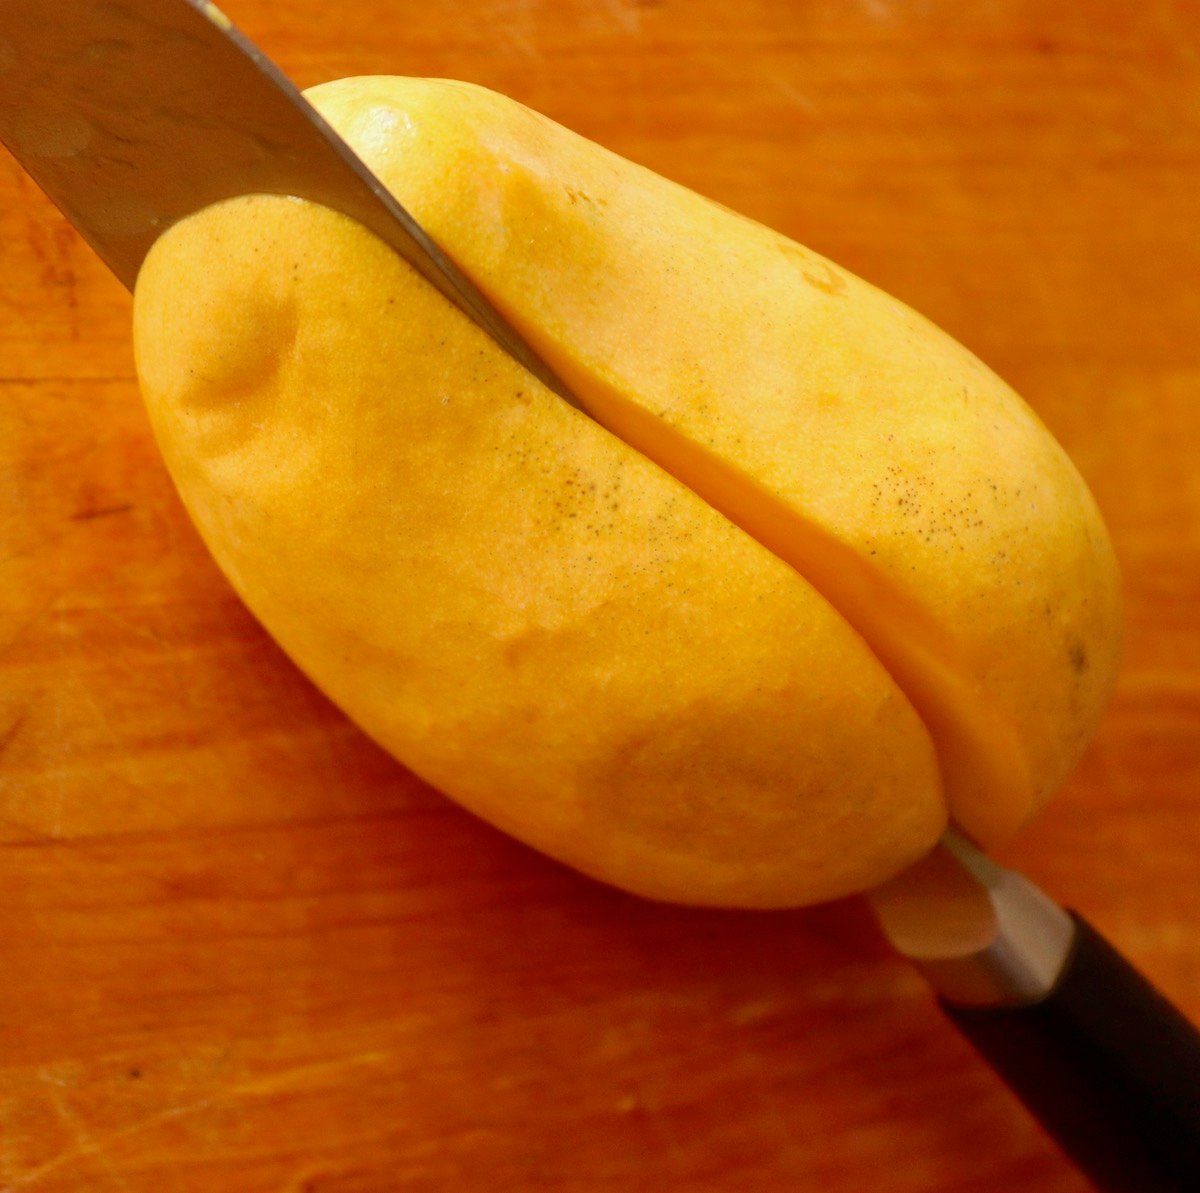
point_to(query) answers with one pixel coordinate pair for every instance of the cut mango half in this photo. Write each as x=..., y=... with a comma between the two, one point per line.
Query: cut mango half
x=812, y=581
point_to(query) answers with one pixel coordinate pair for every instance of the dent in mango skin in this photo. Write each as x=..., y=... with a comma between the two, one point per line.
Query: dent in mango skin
x=526, y=611
x=845, y=432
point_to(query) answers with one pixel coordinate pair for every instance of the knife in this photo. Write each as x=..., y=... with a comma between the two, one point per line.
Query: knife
x=133, y=114
x=1107, y=1065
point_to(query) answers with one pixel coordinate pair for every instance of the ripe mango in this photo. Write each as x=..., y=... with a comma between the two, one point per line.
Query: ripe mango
x=811, y=579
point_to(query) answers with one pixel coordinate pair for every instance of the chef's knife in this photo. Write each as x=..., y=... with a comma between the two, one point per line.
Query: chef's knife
x=133, y=114
x=1109, y=1067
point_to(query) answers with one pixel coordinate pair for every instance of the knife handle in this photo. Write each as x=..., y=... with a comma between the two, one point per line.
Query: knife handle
x=1107, y=1065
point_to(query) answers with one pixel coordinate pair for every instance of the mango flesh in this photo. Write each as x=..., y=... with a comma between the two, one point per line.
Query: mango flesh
x=822, y=579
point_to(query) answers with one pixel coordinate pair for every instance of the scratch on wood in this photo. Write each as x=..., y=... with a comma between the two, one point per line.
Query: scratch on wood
x=518, y=41
x=104, y=512
x=27, y=626
x=794, y=96
x=89, y=1146
x=87, y=1143
x=134, y=627
x=9, y=734
x=626, y=15
x=28, y=835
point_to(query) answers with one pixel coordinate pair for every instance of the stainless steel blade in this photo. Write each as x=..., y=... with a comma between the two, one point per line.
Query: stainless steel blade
x=983, y=935
x=132, y=114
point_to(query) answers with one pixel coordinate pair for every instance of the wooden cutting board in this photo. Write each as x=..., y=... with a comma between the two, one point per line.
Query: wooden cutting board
x=241, y=949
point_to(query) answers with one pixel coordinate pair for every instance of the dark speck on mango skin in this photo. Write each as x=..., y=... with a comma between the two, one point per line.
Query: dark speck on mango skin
x=1078, y=657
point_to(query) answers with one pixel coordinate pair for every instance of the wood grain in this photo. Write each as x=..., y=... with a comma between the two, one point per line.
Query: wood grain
x=244, y=950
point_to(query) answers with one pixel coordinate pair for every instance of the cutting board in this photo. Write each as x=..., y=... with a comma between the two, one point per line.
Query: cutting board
x=242, y=949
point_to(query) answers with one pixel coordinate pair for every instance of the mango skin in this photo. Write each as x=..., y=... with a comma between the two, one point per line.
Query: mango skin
x=528, y=613
x=858, y=441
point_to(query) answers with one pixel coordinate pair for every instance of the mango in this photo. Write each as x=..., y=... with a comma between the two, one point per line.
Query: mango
x=809, y=581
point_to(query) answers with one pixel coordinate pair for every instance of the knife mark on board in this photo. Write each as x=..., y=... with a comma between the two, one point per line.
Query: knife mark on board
x=107, y=511
x=8, y=736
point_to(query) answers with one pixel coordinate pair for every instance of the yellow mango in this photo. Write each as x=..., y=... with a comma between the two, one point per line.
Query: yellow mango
x=821, y=579
x=860, y=443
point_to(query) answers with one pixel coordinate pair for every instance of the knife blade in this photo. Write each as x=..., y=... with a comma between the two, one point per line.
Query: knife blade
x=133, y=114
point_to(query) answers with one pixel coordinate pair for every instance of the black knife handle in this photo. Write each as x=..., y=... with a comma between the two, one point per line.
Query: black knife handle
x=1108, y=1066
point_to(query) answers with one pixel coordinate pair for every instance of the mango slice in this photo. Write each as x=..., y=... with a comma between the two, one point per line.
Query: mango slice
x=821, y=578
